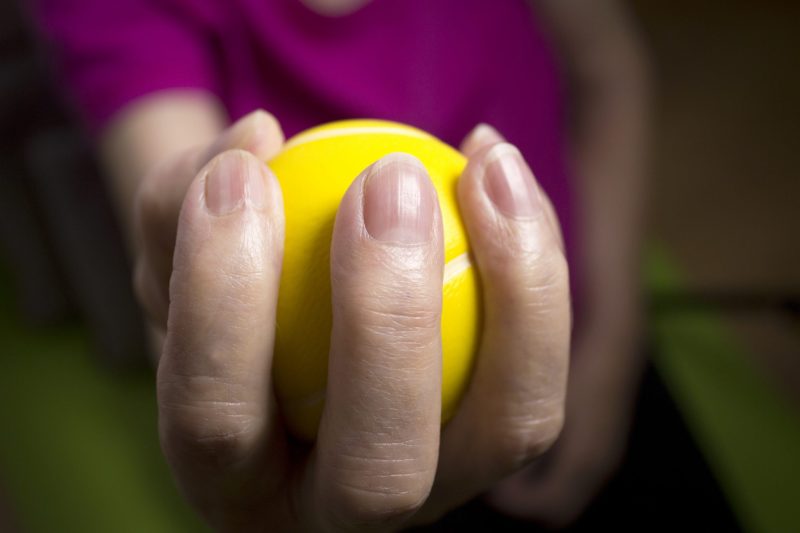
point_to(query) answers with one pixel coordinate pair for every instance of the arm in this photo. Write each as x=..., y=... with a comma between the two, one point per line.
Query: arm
x=151, y=130
x=152, y=151
x=124, y=86
x=608, y=79
x=607, y=72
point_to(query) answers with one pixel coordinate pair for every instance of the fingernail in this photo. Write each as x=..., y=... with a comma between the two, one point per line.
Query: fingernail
x=399, y=200
x=234, y=177
x=484, y=134
x=509, y=183
x=238, y=135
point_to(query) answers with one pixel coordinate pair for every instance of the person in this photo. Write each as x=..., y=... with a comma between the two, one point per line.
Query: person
x=169, y=88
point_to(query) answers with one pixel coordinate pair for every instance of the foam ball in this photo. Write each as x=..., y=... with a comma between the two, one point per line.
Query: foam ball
x=315, y=170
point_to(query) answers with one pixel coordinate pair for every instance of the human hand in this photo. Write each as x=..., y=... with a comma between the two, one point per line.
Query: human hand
x=380, y=461
x=603, y=381
x=158, y=203
x=557, y=488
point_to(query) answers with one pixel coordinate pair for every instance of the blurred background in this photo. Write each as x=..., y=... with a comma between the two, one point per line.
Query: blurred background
x=78, y=442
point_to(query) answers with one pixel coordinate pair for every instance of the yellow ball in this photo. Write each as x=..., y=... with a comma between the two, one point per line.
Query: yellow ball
x=315, y=169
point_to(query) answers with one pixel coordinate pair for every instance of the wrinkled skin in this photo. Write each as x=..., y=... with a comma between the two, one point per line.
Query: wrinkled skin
x=210, y=231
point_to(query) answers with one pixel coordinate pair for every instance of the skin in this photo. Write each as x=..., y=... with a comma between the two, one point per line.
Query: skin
x=609, y=83
x=218, y=424
x=380, y=461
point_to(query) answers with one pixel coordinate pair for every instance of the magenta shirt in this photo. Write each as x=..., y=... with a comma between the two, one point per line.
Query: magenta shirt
x=440, y=65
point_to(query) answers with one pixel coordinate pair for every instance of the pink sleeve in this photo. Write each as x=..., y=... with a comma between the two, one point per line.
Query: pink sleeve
x=109, y=52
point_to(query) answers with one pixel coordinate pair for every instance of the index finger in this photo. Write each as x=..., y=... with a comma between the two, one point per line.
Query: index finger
x=161, y=196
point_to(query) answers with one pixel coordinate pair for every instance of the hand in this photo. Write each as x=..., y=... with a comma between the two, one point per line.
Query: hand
x=158, y=204
x=380, y=461
x=602, y=384
x=556, y=489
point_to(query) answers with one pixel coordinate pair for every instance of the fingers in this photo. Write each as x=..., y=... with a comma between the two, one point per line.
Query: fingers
x=161, y=196
x=215, y=400
x=556, y=495
x=378, y=441
x=513, y=408
x=552, y=501
x=482, y=136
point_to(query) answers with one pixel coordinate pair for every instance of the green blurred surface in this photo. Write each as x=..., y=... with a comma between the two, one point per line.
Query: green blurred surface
x=79, y=449
x=748, y=433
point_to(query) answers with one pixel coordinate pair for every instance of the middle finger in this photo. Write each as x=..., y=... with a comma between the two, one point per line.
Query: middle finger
x=378, y=441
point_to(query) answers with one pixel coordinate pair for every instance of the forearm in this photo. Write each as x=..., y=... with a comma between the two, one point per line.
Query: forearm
x=149, y=132
x=610, y=145
x=609, y=88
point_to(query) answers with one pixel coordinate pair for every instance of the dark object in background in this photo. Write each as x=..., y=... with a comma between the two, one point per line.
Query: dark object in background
x=58, y=233
x=664, y=483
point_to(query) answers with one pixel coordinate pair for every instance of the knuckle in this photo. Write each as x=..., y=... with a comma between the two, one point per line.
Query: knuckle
x=400, y=302
x=403, y=322
x=213, y=432
x=208, y=444
x=394, y=291
x=228, y=278
x=379, y=485
x=529, y=437
x=530, y=277
x=398, y=314
x=527, y=242
x=375, y=507
x=537, y=265
x=397, y=327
